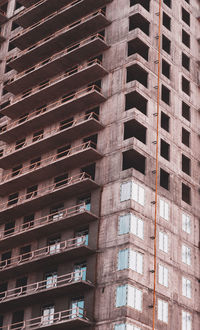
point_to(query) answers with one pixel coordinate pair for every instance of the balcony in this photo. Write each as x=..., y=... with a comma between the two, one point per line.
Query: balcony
x=61, y=39
x=57, y=63
x=71, y=283
x=65, y=320
x=3, y=17
x=67, y=218
x=77, y=184
x=28, y=3
x=44, y=257
x=75, y=157
x=50, y=90
x=64, y=107
x=54, y=22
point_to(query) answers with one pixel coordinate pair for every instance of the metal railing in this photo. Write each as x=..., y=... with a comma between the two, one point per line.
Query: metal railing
x=43, y=221
x=44, y=252
x=49, y=107
x=44, y=191
x=52, y=319
x=58, y=281
x=52, y=36
x=55, y=56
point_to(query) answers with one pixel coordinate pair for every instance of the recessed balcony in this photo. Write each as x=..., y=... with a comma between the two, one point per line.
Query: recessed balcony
x=77, y=184
x=52, y=89
x=57, y=63
x=54, y=22
x=3, y=17
x=51, y=166
x=68, y=132
x=61, y=39
x=66, y=320
x=67, y=218
x=71, y=283
x=62, y=108
x=52, y=254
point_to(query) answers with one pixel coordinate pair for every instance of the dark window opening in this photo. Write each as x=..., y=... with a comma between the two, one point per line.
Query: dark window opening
x=166, y=69
x=135, y=72
x=133, y=159
x=90, y=170
x=165, y=121
x=8, y=68
x=96, y=83
x=1, y=321
x=16, y=170
x=186, y=111
x=38, y=135
x=68, y=96
x=4, y=91
x=14, y=26
x=17, y=5
x=4, y=7
x=166, y=21
x=185, y=86
x=166, y=44
x=34, y=163
x=86, y=200
x=40, y=110
x=95, y=111
x=9, y=228
x=139, y=47
x=185, y=137
x=28, y=221
x=60, y=180
x=31, y=192
x=25, y=252
x=138, y=21
x=3, y=289
x=23, y=118
x=17, y=319
x=1, y=152
x=188, y=1
x=66, y=123
x=22, y=284
x=93, y=139
x=164, y=149
x=165, y=95
x=5, y=258
x=185, y=38
x=186, y=165
x=168, y=3
x=13, y=199
x=164, y=179
x=4, y=105
x=136, y=100
x=185, y=61
x=186, y=194
x=185, y=16
x=19, y=144
x=44, y=84
x=3, y=128
x=63, y=151
x=143, y=3
x=133, y=128
x=11, y=46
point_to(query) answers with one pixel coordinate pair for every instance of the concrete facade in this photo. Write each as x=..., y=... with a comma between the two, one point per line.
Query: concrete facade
x=56, y=126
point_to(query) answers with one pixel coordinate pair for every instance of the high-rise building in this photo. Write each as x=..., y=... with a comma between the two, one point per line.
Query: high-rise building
x=78, y=147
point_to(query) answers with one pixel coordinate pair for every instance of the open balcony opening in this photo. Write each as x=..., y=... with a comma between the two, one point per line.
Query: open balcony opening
x=138, y=21
x=135, y=72
x=90, y=170
x=164, y=179
x=143, y=3
x=186, y=61
x=165, y=121
x=133, y=159
x=166, y=44
x=166, y=69
x=133, y=128
x=186, y=111
x=185, y=86
x=92, y=138
x=185, y=137
x=186, y=165
x=185, y=38
x=165, y=149
x=136, y=46
x=136, y=100
x=186, y=193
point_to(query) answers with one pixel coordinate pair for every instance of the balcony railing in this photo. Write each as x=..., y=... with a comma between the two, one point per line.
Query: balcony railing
x=76, y=316
x=43, y=221
x=45, y=285
x=44, y=252
x=48, y=108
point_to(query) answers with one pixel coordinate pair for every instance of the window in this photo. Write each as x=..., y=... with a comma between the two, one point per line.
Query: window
x=38, y=135
x=163, y=242
x=162, y=311
x=82, y=236
x=166, y=21
x=164, y=149
x=21, y=285
x=13, y=199
x=130, y=259
x=133, y=128
x=3, y=289
x=129, y=223
x=138, y=21
x=185, y=86
x=186, y=223
x=34, y=163
x=164, y=179
x=186, y=165
x=17, y=317
x=51, y=280
x=128, y=295
x=165, y=121
x=9, y=228
x=132, y=190
x=164, y=209
x=28, y=221
x=57, y=212
x=85, y=200
x=77, y=305
x=16, y=170
x=186, y=287
x=125, y=326
x=63, y=151
x=19, y=144
x=5, y=258
x=66, y=123
x=185, y=16
x=186, y=255
x=54, y=245
x=31, y=192
x=185, y=61
x=80, y=270
x=186, y=193
x=133, y=159
x=165, y=94
x=25, y=252
x=48, y=315
x=163, y=275
x=136, y=72
x=186, y=321
x=185, y=137
x=60, y=180
x=136, y=100
x=185, y=38
x=166, y=44
x=186, y=111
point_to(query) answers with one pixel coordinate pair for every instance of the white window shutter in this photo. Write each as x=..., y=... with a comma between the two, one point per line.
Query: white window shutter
x=141, y=196
x=140, y=263
x=161, y=208
x=132, y=260
x=138, y=300
x=123, y=259
x=165, y=312
x=166, y=211
x=124, y=224
x=125, y=193
x=121, y=295
x=134, y=191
